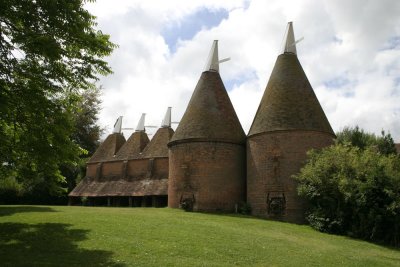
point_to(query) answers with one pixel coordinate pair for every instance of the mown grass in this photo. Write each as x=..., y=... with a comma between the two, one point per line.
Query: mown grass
x=96, y=236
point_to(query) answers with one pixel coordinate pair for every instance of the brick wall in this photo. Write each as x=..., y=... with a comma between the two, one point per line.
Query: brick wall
x=91, y=170
x=160, y=168
x=211, y=172
x=272, y=158
x=134, y=169
x=137, y=169
x=111, y=170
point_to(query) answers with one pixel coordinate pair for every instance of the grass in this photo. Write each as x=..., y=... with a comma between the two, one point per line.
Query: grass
x=98, y=236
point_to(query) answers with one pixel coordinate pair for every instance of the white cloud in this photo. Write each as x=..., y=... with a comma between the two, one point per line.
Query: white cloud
x=344, y=46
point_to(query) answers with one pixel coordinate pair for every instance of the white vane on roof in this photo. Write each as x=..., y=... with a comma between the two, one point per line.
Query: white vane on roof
x=167, y=119
x=289, y=41
x=213, y=61
x=118, y=125
x=140, y=126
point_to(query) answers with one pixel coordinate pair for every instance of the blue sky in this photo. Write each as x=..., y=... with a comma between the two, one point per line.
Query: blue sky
x=186, y=28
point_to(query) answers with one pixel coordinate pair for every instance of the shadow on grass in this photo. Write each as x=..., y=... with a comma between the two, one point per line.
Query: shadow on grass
x=48, y=244
x=10, y=210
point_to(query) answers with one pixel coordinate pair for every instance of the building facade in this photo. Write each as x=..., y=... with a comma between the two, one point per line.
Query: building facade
x=209, y=164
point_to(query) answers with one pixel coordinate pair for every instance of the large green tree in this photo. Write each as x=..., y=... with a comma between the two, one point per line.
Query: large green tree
x=354, y=187
x=50, y=52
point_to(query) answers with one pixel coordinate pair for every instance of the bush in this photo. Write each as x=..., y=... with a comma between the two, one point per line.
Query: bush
x=353, y=191
x=244, y=208
x=10, y=190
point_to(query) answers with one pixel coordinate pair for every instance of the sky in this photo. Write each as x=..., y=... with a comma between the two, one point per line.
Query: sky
x=350, y=54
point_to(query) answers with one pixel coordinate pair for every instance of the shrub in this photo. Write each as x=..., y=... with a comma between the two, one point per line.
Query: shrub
x=353, y=191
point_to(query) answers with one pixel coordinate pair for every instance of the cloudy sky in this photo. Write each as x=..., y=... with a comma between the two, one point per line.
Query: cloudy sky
x=350, y=53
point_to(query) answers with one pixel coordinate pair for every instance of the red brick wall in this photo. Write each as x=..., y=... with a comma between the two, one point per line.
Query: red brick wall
x=213, y=172
x=91, y=170
x=111, y=170
x=160, y=168
x=272, y=158
x=137, y=169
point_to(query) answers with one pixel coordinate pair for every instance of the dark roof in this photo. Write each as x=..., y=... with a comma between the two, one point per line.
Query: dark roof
x=289, y=102
x=90, y=188
x=132, y=148
x=397, y=148
x=210, y=115
x=108, y=148
x=158, y=144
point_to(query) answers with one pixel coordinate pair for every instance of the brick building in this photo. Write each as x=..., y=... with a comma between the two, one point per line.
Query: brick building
x=207, y=151
x=131, y=173
x=209, y=164
x=289, y=122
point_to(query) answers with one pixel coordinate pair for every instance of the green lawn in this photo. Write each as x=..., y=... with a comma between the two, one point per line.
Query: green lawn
x=88, y=236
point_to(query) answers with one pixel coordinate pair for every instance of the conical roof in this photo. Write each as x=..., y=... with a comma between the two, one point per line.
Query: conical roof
x=158, y=144
x=108, y=148
x=289, y=102
x=210, y=115
x=135, y=144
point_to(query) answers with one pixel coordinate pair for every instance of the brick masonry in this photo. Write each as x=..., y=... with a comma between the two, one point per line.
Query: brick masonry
x=272, y=159
x=213, y=173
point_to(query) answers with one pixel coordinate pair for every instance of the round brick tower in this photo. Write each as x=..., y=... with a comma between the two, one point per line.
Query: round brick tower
x=289, y=122
x=207, y=151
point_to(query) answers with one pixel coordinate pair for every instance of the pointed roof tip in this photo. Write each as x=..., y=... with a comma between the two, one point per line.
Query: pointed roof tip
x=167, y=119
x=289, y=41
x=118, y=125
x=213, y=61
x=140, y=126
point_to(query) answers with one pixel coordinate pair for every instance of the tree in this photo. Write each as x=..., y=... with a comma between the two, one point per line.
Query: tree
x=354, y=190
x=50, y=52
x=86, y=134
x=357, y=137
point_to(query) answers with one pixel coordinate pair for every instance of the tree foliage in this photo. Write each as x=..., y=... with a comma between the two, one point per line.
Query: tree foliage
x=50, y=52
x=357, y=137
x=354, y=188
x=86, y=134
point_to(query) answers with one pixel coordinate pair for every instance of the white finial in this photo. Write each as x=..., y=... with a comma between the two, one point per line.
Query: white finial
x=118, y=125
x=290, y=43
x=140, y=126
x=213, y=61
x=167, y=118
